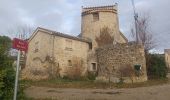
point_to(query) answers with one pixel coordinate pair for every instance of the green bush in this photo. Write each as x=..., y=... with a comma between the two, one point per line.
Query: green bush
x=156, y=66
x=2, y=74
x=7, y=73
x=9, y=80
x=91, y=75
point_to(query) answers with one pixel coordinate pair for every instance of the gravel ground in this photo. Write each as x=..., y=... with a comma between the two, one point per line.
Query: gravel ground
x=142, y=93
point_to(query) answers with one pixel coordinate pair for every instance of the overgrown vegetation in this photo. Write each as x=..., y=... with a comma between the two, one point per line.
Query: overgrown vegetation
x=7, y=73
x=75, y=69
x=155, y=63
x=156, y=66
x=127, y=71
x=91, y=75
x=104, y=38
x=81, y=84
x=53, y=70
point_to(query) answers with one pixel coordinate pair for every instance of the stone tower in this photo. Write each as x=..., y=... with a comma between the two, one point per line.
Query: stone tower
x=96, y=18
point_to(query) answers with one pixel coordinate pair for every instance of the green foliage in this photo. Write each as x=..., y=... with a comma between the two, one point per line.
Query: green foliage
x=137, y=67
x=2, y=74
x=121, y=80
x=156, y=66
x=5, y=44
x=91, y=75
x=7, y=74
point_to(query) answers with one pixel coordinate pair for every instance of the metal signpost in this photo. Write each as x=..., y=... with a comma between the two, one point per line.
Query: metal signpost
x=20, y=45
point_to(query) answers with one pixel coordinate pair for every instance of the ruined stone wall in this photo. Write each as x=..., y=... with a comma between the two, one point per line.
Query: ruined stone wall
x=112, y=58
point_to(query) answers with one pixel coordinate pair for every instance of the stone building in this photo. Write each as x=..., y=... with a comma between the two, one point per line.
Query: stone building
x=55, y=53
x=167, y=58
x=96, y=18
x=46, y=46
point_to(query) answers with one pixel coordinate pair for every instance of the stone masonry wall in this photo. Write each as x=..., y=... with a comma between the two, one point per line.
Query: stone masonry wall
x=62, y=50
x=91, y=29
x=112, y=58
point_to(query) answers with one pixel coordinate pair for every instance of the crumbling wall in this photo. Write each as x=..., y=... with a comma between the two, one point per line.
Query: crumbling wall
x=112, y=58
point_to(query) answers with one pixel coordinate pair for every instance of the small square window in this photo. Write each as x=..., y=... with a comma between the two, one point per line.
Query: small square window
x=95, y=17
x=68, y=46
x=36, y=49
x=94, y=67
x=69, y=63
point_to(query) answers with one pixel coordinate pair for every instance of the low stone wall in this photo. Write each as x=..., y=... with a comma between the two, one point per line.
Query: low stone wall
x=113, y=58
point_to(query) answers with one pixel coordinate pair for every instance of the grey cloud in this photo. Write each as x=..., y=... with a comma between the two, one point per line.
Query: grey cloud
x=159, y=19
x=51, y=20
x=65, y=15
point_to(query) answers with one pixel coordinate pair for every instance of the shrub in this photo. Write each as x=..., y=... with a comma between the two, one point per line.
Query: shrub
x=126, y=71
x=156, y=66
x=104, y=38
x=2, y=74
x=9, y=80
x=91, y=75
x=7, y=73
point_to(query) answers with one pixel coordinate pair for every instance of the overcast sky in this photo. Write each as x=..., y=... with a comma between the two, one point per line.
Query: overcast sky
x=65, y=16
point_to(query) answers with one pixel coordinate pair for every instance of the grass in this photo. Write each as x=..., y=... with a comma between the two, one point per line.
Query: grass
x=26, y=98
x=65, y=83
x=148, y=83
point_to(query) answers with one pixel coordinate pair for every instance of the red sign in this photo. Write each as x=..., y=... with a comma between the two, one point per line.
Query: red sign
x=20, y=44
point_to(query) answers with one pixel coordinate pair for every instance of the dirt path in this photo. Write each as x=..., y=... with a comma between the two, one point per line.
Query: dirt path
x=143, y=93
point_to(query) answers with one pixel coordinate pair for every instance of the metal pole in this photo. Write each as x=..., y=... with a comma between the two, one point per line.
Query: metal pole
x=136, y=28
x=136, y=21
x=16, y=77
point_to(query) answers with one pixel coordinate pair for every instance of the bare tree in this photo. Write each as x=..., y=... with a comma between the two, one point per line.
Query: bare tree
x=105, y=38
x=22, y=31
x=145, y=37
x=144, y=34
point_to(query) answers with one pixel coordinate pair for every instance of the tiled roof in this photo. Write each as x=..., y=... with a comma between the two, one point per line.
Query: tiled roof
x=66, y=35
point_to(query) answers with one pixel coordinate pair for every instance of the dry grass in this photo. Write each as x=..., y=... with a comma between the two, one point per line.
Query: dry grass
x=61, y=83
x=144, y=84
x=105, y=37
